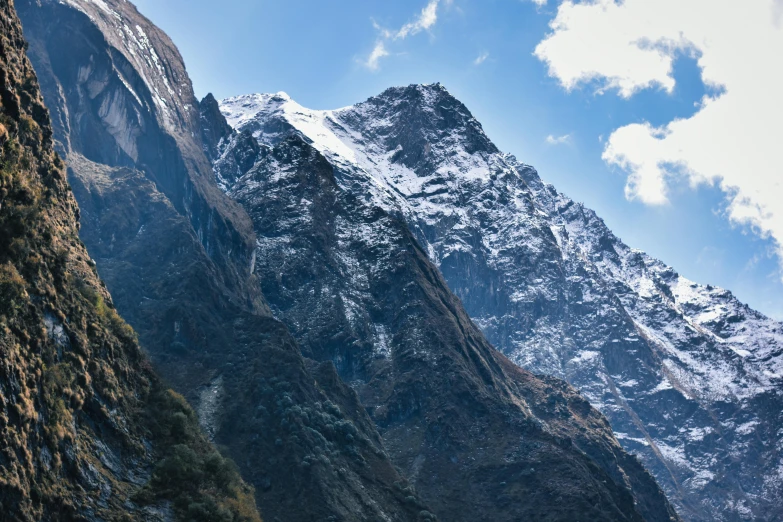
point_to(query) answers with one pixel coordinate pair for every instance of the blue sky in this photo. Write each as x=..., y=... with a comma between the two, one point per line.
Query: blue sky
x=317, y=52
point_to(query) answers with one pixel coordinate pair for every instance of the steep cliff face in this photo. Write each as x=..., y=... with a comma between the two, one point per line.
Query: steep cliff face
x=480, y=438
x=177, y=255
x=86, y=429
x=121, y=97
x=689, y=378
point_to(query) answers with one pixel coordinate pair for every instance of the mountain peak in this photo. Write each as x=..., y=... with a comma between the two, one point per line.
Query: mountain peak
x=241, y=110
x=418, y=129
x=431, y=91
x=420, y=119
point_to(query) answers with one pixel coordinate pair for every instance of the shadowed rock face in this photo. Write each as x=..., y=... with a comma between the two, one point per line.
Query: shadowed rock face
x=87, y=431
x=480, y=438
x=178, y=255
x=121, y=97
x=689, y=378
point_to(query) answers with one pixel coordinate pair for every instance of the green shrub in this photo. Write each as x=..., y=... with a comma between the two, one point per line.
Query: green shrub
x=108, y=314
x=202, y=484
x=208, y=510
x=12, y=288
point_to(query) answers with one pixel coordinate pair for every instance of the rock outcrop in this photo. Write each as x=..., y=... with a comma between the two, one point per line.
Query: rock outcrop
x=87, y=430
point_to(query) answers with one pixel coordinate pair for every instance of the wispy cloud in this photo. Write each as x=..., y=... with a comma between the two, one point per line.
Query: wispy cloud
x=752, y=263
x=378, y=52
x=425, y=20
x=481, y=58
x=558, y=140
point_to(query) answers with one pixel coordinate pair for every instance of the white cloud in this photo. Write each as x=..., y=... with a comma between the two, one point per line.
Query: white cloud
x=558, y=140
x=378, y=52
x=733, y=140
x=423, y=22
x=427, y=18
x=539, y=2
x=481, y=58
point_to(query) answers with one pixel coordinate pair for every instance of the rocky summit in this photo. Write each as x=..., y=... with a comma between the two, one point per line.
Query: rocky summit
x=689, y=378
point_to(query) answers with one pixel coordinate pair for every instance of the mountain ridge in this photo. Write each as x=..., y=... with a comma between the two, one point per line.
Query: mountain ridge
x=536, y=271
x=473, y=432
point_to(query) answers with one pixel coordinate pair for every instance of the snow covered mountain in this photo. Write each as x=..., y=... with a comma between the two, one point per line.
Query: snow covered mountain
x=689, y=377
x=478, y=437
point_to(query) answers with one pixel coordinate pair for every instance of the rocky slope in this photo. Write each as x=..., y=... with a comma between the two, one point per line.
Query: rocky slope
x=689, y=378
x=480, y=438
x=177, y=255
x=87, y=431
